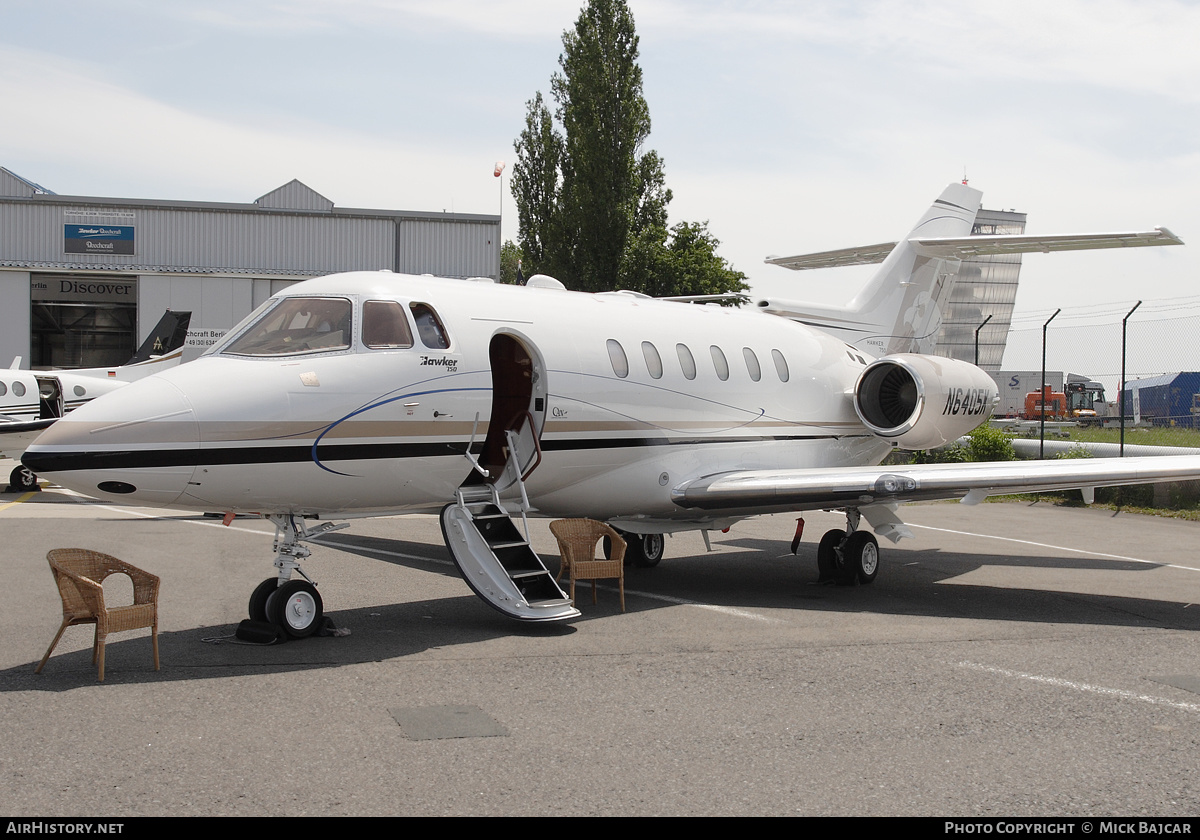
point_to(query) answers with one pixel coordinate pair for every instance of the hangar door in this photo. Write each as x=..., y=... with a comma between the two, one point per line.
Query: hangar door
x=80, y=320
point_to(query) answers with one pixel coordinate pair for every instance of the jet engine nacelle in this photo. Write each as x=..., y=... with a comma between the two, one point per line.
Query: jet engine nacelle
x=923, y=402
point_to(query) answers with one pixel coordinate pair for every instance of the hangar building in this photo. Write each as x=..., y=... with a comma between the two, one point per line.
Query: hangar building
x=83, y=279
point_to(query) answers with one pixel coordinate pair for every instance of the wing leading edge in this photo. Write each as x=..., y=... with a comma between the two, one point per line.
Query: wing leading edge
x=777, y=490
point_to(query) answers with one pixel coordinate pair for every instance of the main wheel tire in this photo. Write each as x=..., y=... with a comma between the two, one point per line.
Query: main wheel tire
x=296, y=607
x=644, y=550
x=862, y=556
x=22, y=479
x=827, y=561
x=258, y=598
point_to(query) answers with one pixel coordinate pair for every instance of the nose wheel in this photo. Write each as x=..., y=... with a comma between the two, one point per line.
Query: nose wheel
x=296, y=607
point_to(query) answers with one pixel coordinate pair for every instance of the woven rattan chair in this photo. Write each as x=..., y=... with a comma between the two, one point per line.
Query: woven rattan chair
x=577, y=539
x=80, y=576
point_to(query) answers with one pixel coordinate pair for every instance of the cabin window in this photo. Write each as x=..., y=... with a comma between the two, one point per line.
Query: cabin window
x=686, y=361
x=781, y=367
x=429, y=327
x=616, y=355
x=297, y=325
x=19, y=388
x=3, y=389
x=719, y=362
x=653, y=361
x=384, y=325
x=752, y=366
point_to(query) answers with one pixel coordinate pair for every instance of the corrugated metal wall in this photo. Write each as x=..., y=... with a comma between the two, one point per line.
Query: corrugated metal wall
x=450, y=250
x=240, y=253
x=257, y=242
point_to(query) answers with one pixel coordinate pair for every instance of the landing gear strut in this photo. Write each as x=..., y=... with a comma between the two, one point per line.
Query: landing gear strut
x=294, y=606
x=848, y=557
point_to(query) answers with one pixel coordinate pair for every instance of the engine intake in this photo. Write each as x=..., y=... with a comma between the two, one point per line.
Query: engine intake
x=923, y=402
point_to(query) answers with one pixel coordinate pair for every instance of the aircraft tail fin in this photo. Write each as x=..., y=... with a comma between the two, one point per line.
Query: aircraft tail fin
x=900, y=308
x=903, y=302
x=167, y=337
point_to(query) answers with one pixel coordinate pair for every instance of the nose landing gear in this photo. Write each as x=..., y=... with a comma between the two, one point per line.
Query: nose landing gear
x=294, y=606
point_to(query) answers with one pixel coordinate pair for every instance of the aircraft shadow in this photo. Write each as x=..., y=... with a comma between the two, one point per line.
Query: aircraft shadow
x=765, y=574
x=380, y=632
x=761, y=575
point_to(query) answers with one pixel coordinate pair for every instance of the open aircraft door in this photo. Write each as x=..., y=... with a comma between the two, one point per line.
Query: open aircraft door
x=491, y=551
x=518, y=406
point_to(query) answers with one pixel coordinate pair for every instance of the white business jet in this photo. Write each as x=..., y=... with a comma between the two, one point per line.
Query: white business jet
x=369, y=393
x=32, y=401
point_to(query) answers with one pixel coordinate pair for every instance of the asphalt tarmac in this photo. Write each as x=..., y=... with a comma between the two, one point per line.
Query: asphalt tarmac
x=1014, y=659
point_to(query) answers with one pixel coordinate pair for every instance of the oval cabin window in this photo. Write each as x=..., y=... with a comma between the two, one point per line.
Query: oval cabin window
x=686, y=361
x=653, y=360
x=616, y=355
x=781, y=366
x=752, y=366
x=719, y=362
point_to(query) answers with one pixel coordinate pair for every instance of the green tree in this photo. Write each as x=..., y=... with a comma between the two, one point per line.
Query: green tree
x=510, y=261
x=592, y=206
x=535, y=186
x=685, y=262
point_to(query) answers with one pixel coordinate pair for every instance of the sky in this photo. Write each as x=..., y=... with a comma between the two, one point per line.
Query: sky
x=789, y=127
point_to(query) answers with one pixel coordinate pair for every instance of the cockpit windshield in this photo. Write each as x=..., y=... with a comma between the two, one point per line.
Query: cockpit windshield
x=297, y=325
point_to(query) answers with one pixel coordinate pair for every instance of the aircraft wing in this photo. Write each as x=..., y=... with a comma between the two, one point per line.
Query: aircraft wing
x=811, y=489
x=15, y=436
x=963, y=247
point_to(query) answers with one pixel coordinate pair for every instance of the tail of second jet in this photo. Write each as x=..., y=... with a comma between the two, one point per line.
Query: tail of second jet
x=165, y=342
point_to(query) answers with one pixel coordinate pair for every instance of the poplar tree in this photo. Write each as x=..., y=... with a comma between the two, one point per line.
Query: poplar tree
x=591, y=204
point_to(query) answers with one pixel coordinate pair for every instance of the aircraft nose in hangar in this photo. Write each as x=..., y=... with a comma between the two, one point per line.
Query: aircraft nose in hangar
x=136, y=444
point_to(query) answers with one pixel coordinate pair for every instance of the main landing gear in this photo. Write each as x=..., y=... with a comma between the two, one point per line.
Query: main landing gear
x=21, y=480
x=849, y=556
x=641, y=550
x=294, y=606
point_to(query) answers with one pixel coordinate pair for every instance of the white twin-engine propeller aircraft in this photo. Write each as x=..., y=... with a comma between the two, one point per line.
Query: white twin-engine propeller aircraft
x=363, y=394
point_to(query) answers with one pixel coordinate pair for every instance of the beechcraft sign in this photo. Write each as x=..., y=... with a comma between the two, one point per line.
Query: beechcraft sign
x=98, y=239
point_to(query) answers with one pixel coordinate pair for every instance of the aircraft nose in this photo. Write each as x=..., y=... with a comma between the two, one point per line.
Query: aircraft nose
x=136, y=444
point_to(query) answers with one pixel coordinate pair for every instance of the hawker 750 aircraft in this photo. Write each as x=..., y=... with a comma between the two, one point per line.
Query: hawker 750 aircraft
x=370, y=393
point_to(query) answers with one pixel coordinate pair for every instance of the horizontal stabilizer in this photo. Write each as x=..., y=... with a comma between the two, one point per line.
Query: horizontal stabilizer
x=963, y=247
x=863, y=255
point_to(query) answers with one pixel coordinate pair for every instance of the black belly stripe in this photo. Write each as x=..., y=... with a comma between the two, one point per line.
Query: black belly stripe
x=50, y=462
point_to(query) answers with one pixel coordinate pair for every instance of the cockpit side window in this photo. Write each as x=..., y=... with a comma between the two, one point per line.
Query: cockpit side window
x=429, y=327
x=385, y=326
x=297, y=325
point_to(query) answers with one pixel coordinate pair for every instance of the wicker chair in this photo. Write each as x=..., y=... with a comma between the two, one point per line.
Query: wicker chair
x=577, y=540
x=80, y=576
